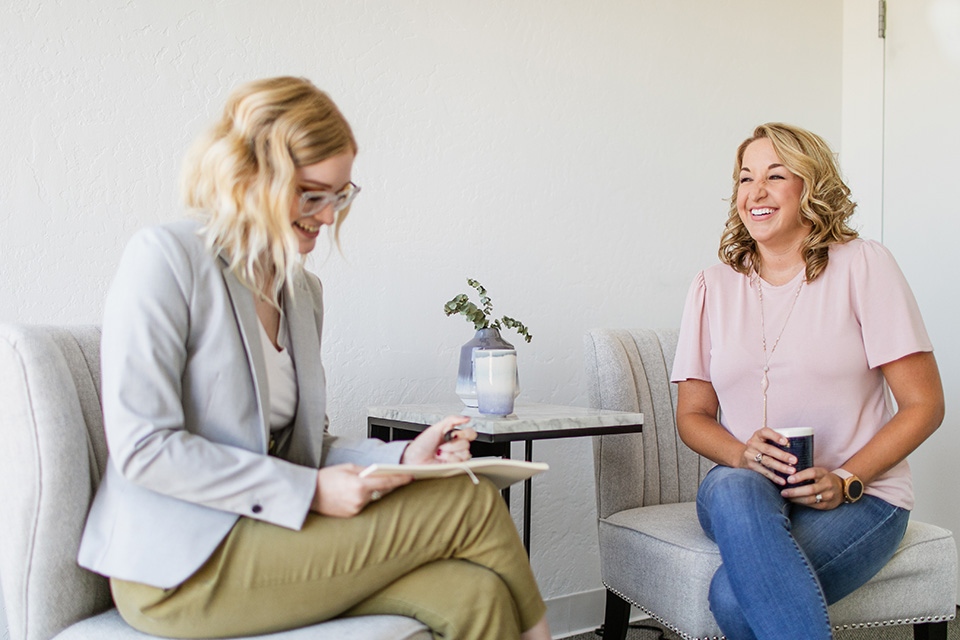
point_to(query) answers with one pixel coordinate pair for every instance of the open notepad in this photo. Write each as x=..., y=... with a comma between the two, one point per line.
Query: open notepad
x=501, y=471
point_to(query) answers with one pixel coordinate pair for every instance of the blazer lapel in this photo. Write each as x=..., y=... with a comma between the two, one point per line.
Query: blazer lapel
x=306, y=441
x=246, y=313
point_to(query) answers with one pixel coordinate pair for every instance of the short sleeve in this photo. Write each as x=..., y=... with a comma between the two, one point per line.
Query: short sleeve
x=692, y=361
x=886, y=307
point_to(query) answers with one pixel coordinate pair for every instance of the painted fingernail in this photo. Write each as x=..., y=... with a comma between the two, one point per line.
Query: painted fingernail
x=439, y=452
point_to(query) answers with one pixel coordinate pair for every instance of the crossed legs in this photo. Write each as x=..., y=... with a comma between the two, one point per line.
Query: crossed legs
x=443, y=551
x=784, y=563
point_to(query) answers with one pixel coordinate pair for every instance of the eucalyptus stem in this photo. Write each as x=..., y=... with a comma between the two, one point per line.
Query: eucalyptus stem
x=482, y=316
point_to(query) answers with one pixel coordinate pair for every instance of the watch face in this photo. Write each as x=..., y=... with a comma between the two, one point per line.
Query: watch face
x=855, y=489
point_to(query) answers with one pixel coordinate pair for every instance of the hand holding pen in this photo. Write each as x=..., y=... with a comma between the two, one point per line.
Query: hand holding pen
x=446, y=441
x=455, y=446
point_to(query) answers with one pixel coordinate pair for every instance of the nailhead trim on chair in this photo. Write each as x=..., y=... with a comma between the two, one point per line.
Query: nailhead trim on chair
x=839, y=627
x=893, y=623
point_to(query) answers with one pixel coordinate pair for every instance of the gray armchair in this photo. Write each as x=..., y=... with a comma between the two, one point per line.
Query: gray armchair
x=51, y=462
x=653, y=553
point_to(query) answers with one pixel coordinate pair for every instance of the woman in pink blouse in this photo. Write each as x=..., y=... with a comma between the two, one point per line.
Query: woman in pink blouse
x=802, y=325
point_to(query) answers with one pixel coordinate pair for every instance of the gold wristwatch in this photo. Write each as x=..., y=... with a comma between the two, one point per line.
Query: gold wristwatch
x=852, y=485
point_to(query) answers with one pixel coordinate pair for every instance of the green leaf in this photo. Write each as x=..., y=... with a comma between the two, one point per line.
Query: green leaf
x=481, y=317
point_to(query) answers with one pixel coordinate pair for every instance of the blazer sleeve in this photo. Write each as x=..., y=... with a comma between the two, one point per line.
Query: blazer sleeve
x=146, y=331
x=361, y=452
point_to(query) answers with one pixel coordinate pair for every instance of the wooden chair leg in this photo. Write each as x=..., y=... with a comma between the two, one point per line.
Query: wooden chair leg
x=923, y=630
x=616, y=618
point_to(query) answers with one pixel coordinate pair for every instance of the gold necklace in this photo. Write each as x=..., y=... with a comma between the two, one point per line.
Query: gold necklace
x=765, y=381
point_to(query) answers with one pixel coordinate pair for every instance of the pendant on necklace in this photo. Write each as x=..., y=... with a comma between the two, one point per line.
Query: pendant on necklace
x=764, y=382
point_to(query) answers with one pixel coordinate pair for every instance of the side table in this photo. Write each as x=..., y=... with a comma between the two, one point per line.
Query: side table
x=528, y=422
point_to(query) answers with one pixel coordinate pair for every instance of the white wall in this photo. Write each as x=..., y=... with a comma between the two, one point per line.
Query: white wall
x=900, y=136
x=921, y=218
x=862, y=114
x=572, y=156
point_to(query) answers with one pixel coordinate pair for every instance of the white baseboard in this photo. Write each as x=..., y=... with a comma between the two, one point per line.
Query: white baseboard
x=580, y=613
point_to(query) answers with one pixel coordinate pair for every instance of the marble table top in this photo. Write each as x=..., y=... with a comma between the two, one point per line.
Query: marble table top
x=537, y=420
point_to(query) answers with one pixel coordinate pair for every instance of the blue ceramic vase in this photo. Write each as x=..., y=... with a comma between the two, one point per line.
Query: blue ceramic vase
x=466, y=381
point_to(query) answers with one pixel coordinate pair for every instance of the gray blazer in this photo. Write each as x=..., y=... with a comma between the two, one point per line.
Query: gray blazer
x=185, y=409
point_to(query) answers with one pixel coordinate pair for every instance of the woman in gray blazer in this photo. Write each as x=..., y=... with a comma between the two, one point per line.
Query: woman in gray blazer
x=227, y=507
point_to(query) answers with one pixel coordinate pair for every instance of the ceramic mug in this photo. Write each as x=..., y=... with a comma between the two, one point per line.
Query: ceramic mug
x=496, y=374
x=801, y=445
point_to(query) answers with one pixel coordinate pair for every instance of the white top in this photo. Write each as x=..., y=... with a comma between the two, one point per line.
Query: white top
x=281, y=377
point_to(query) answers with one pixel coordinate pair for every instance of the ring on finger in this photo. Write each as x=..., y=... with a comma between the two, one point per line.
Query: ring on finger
x=758, y=458
x=376, y=495
x=819, y=498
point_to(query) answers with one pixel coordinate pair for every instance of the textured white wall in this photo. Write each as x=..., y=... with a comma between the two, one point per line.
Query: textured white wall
x=921, y=225
x=862, y=114
x=572, y=156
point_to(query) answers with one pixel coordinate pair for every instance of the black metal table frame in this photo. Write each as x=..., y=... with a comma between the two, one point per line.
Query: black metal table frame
x=496, y=444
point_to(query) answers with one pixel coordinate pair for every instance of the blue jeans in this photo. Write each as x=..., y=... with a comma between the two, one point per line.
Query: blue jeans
x=784, y=563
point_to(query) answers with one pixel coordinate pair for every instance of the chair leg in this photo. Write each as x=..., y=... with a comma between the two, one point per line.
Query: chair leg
x=616, y=618
x=927, y=630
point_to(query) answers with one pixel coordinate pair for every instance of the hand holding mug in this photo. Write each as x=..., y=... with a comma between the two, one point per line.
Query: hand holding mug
x=816, y=488
x=800, y=446
x=765, y=455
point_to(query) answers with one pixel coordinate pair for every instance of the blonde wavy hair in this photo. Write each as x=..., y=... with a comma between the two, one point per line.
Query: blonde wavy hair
x=240, y=177
x=825, y=202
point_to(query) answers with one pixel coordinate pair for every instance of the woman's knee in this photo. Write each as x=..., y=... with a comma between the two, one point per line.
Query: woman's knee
x=734, y=485
x=737, y=498
x=481, y=494
x=485, y=504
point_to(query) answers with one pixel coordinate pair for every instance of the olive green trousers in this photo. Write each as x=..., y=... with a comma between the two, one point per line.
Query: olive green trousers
x=445, y=552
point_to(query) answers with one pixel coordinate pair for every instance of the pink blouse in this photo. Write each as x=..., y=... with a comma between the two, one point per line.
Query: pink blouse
x=824, y=373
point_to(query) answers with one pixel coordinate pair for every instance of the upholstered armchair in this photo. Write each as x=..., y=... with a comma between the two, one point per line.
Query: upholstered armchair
x=51, y=460
x=653, y=553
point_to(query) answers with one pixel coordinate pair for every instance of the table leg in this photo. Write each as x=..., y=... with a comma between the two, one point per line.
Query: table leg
x=527, y=486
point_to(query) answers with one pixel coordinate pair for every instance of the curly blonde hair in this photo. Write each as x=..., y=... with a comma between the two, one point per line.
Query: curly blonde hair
x=825, y=202
x=240, y=176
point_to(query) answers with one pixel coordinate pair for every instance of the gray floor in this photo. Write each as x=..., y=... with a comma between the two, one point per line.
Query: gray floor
x=890, y=633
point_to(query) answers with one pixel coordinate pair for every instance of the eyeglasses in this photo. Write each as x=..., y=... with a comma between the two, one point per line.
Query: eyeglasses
x=313, y=202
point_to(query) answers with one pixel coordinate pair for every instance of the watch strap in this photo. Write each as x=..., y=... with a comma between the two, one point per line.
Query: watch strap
x=843, y=474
